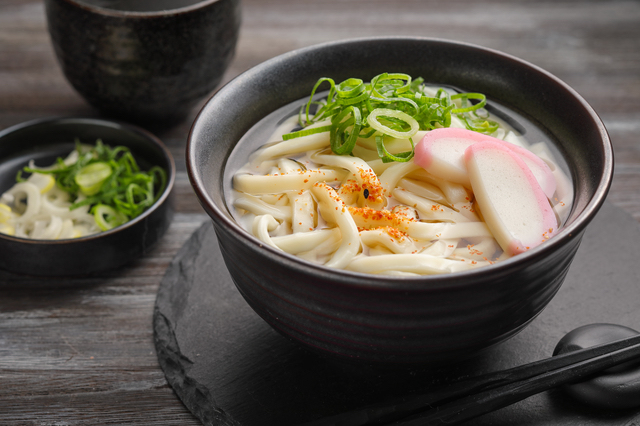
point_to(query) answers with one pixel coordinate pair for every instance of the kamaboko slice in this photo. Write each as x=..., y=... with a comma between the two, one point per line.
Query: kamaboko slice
x=441, y=153
x=512, y=203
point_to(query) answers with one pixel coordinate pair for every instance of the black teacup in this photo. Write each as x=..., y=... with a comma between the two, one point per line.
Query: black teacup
x=144, y=60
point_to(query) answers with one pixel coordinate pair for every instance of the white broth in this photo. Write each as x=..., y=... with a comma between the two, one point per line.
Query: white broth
x=358, y=213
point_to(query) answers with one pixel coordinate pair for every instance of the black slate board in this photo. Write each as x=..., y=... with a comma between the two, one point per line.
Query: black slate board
x=230, y=368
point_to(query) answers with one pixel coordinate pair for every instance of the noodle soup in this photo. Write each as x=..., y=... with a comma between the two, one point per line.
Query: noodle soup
x=363, y=213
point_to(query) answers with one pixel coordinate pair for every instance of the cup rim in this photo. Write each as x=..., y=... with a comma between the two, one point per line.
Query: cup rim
x=200, y=4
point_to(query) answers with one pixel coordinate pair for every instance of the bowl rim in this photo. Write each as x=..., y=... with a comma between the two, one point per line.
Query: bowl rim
x=390, y=282
x=120, y=126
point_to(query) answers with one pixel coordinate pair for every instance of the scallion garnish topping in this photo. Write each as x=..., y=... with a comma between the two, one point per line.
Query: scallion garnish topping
x=392, y=105
x=110, y=181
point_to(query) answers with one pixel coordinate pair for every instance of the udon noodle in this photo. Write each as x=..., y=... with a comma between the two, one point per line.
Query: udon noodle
x=358, y=213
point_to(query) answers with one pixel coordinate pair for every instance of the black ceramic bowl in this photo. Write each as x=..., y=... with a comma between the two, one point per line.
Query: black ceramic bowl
x=385, y=319
x=44, y=141
x=144, y=60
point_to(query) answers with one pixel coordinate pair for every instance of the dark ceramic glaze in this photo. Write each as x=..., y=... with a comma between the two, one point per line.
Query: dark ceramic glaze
x=44, y=141
x=385, y=319
x=149, y=66
x=617, y=387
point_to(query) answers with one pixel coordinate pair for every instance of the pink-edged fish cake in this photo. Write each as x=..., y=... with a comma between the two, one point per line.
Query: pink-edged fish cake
x=513, y=204
x=541, y=171
x=441, y=153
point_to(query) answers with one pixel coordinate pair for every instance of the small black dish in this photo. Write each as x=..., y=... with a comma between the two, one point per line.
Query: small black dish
x=44, y=140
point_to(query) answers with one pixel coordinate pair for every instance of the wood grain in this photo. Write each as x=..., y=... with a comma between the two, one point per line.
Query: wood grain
x=80, y=351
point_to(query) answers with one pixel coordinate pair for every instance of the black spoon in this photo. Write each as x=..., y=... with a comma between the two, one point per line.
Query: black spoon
x=576, y=363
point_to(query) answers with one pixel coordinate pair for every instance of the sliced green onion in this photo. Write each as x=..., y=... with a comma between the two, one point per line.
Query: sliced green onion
x=110, y=177
x=392, y=104
x=363, y=96
x=408, y=101
x=107, y=217
x=332, y=91
x=306, y=132
x=480, y=125
x=395, y=84
x=465, y=97
x=350, y=87
x=91, y=177
x=373, y=121
x=387, y=157
x=344, y=131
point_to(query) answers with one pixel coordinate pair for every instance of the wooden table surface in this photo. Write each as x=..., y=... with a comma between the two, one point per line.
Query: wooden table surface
x=80, y=351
